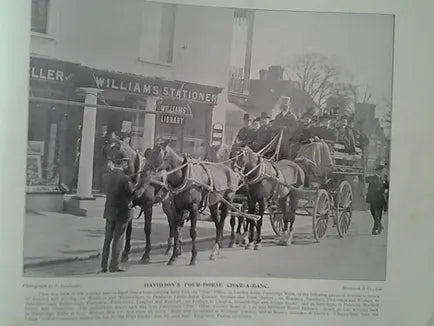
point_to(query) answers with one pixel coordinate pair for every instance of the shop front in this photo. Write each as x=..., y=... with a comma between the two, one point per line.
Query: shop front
x=73, y=107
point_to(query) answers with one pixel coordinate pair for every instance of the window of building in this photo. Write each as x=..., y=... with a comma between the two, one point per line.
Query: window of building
x=40, y=16
x=158, y=29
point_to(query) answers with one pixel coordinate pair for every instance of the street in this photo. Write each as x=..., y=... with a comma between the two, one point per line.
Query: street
x=358, y=256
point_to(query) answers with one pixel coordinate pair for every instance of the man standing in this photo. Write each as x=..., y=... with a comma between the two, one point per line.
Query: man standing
x=263, y=134
x=244, y=133
x=378, y=185
x=120, y=192
x=286, y=121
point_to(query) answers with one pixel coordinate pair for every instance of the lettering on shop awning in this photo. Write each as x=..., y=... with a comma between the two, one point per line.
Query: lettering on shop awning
x=52, y=70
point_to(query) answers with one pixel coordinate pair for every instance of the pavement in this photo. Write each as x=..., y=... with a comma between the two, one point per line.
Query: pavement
x=51, y=238
x=60, y=237
x=358, y=256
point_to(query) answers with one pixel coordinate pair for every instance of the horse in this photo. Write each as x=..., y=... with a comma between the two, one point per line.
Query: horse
x=221, y=154
x=195, y=185
x=146, y=191
x=270, y=182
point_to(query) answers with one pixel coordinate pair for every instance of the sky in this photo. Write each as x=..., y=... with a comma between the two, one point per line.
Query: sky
x=362, y=44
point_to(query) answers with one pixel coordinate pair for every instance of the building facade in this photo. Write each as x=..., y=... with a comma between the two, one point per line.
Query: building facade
x=119, y=59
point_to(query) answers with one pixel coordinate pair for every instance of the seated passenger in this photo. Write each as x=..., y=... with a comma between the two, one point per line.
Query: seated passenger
x=346, y=135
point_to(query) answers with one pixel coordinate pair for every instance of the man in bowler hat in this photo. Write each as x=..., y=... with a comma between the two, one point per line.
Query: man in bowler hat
x=378, y=185
x=263, y=134
x=119, y=194
x=244, y=133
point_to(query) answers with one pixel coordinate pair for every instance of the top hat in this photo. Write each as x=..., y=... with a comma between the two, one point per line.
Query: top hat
x=264, y=115
x=286, y=101
x=246, y=117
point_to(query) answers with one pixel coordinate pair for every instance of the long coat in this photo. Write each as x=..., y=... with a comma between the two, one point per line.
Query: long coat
x=376, y=189
x=119, y=193
x=288, y=123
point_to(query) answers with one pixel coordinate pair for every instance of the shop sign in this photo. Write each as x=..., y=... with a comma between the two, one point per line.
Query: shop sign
x=51, y=70
x=156, y=87
x=179, y=108
x=217, y=134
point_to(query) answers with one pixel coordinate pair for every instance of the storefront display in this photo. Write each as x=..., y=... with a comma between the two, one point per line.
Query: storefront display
x=183, y=112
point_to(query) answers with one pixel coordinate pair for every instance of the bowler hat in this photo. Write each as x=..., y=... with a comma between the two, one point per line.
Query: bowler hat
x=246, y=117
x=264, y=115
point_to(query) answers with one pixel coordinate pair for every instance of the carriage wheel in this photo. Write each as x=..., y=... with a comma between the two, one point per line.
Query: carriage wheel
x=320, y=215
x=344, y=208
x=276, y=218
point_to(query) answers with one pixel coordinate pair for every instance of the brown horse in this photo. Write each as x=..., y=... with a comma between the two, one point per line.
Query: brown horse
x=147, y=191
x=269, y=182
x=195, y=185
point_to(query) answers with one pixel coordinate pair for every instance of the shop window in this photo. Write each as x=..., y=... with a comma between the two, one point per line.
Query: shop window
x=158, y=29
x=40, y=16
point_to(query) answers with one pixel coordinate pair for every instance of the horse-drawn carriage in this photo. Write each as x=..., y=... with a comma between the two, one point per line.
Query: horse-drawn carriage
x=330, y=198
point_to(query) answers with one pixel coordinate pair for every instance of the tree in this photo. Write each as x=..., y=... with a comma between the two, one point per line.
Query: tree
x=386, y=118
x=316, y=75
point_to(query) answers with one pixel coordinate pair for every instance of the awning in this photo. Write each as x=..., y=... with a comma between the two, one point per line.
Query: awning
x=73, y=75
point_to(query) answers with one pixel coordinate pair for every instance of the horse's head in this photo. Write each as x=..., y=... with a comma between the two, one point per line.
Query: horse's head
x=157, y=158
x=239, y=157
x=114, y=149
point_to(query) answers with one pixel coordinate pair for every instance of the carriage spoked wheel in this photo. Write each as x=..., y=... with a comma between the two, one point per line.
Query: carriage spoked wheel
x=320, y=216
x=276, y=218
x=343, y=208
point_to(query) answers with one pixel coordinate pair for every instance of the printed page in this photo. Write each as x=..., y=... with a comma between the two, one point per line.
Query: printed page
x=217, y=163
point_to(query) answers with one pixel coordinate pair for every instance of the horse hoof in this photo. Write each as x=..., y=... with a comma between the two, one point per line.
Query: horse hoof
x=124, y=258
x=193, y=262
x=232, y=245
x=171, y=262
x=250, y=246
x=144, y=260
x=258, y=246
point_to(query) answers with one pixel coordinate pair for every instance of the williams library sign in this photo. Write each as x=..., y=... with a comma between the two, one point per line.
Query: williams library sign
x=81, y=76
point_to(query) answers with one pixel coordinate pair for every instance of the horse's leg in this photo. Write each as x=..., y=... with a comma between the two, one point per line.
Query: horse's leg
x=232, y=243
x=238, y=236
x=223, y=213
x=127, y=248
x=167, y=206
x=252, y=225
x=214, y=215
x=177, y=231
x=193, y=220
x=258, y=244
x=293, y=204
x=148, y=222
x=284, y=206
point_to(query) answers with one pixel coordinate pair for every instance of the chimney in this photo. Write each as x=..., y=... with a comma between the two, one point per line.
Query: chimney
x=263, y=74
x=275, y=73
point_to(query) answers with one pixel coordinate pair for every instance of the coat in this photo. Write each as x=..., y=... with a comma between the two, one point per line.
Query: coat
x=263, y=137
x=288, y=123
x=119, y=193
x=376, y=189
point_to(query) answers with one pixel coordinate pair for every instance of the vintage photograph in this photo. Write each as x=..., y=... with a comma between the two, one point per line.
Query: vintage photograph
x=179, y=140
